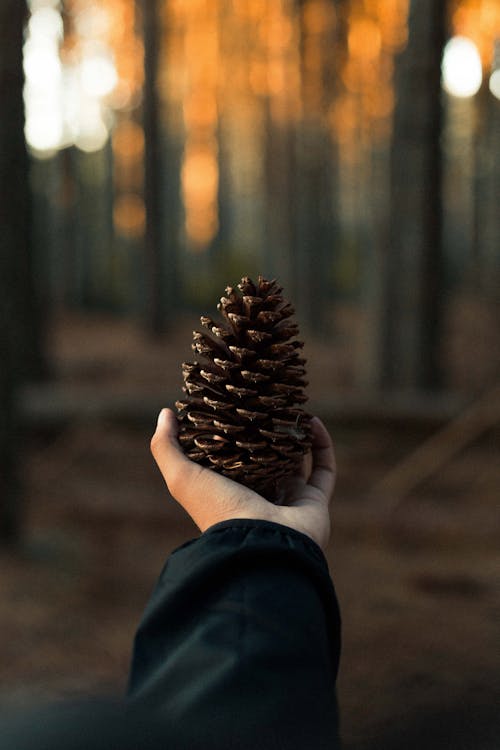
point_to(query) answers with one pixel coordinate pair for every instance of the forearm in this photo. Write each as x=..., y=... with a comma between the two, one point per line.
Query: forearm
x=240, y=642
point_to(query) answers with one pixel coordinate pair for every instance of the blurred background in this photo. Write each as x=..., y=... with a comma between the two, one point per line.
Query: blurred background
x=153, y=152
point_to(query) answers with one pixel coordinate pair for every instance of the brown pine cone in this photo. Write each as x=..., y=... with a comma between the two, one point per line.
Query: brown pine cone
x=241, y=415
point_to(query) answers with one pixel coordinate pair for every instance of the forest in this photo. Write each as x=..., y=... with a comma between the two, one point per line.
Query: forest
x=154, y=152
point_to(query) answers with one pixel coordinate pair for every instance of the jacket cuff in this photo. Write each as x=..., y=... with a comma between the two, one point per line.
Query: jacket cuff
x=270, y=528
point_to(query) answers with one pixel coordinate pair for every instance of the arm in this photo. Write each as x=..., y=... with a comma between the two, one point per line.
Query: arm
x=239, y=644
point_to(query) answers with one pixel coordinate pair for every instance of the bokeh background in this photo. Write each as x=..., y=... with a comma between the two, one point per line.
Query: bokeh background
x=153, y=152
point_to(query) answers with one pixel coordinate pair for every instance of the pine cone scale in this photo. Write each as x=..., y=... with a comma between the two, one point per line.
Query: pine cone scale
x=241, y=414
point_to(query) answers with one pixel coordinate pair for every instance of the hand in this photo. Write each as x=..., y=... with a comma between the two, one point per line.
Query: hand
x=209, y=497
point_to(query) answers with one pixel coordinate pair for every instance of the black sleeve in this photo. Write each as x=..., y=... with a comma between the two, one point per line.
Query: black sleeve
x=239, y=644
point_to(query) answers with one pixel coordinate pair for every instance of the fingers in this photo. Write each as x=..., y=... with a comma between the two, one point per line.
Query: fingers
x=318, y=468
x=306, y=466
x=324, y=467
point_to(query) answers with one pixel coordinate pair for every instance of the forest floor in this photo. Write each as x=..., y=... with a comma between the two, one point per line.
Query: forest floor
x=417, y=577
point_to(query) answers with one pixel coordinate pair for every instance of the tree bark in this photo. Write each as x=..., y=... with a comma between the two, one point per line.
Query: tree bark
x=280, y=212
x=17, y=270
x=316, y=170
x=412, y=314
x=156, y=299
x=19, y=342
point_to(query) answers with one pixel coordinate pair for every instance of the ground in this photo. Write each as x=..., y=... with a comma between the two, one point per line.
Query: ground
x=417, y=577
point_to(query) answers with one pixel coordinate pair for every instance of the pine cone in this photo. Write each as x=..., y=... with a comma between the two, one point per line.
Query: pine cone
x=240, y=415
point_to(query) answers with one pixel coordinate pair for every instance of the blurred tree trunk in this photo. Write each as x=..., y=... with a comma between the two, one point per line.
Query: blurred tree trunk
x=156, y=299
x=317, y=163
x=20, y=350
x=281, y=196
x=10, y=496
x=486, y=146
x=17, y=275
x=412, y=313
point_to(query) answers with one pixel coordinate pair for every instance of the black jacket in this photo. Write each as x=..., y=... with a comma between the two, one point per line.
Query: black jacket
x=239, y=644
x=238, y=649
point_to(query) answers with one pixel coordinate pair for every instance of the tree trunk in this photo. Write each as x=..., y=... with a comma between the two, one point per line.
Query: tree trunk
x=156, y=299
x=15, y=205
x=280, y=211
x=316, y=167
x=414, y=261
x=19, y=342
x=485, y=260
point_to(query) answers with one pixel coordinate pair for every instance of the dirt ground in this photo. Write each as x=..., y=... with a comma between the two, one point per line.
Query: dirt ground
x=417, y=579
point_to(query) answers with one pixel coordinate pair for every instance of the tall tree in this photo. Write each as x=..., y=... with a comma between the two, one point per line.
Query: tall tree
x=20, y=348
x=486, y=188
x=281, y=197
x=316, y=158
x=9, y=479
x=152, y=171
x=412, y=297
x=160, y=240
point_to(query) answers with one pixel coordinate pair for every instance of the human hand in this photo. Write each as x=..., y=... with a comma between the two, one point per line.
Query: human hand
x=209, y=497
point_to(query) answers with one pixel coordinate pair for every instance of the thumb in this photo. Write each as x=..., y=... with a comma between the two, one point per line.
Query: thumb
x=177, y=470
x=207, y=496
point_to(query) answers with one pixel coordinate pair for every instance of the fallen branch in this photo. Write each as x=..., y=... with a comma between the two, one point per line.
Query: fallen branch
x=437, y=450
